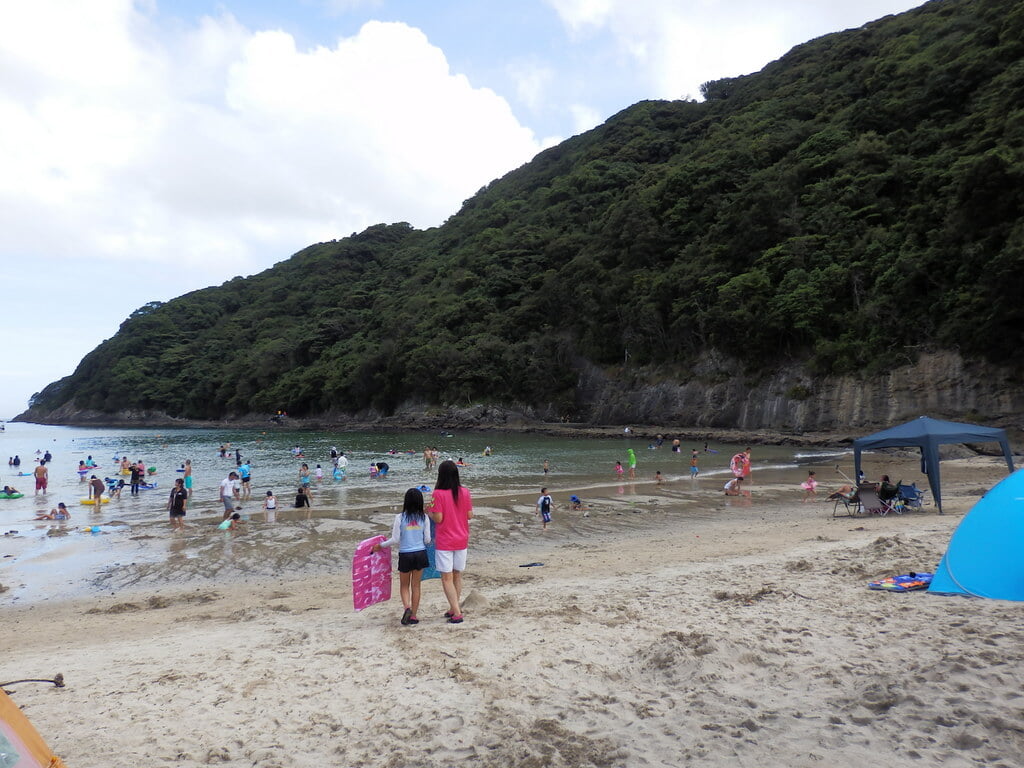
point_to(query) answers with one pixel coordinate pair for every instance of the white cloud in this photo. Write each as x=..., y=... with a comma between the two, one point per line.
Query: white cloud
x=532, y=81
x=677, y=45
x=581, y=16
x=337, y=7
x=225, y=147
x=584, y=118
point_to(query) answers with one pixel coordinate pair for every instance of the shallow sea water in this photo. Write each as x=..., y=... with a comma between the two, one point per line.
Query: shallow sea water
x=133, y=541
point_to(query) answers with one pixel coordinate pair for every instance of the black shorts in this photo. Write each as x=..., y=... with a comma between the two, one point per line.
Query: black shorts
x=412, y=561
x=177, y=514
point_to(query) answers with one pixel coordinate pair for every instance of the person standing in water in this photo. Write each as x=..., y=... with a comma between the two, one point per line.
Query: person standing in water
x=245, y=476
x=631, y=460
x=96, y=489
x=42, y=477
x=188, y=476
x=451, y=509
x=228, y=493
x=270, y=507
x=178, y=503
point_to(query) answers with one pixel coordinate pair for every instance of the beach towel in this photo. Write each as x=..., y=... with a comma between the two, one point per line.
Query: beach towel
x=906, y=583
x=371, y=574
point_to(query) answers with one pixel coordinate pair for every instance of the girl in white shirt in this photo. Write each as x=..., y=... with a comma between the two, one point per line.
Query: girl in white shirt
x=411, y=531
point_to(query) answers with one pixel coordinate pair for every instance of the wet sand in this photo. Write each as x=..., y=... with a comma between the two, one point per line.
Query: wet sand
x=668, y=626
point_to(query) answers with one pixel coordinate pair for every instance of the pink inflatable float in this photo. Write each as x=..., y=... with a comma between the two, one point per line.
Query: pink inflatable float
x=371, y=574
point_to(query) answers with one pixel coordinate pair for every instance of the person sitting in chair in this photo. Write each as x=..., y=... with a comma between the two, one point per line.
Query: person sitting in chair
x=886, y=490
x=845, y=492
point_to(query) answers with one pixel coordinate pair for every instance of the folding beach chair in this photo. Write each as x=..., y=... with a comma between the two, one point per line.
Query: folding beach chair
x=849, y=504
x=911, y=495
x=871, y=503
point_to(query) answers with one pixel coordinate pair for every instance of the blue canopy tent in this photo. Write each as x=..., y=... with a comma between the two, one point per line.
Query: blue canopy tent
x=928, y=434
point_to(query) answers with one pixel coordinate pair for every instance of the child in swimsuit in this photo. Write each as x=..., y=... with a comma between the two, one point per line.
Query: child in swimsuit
x=810, y=486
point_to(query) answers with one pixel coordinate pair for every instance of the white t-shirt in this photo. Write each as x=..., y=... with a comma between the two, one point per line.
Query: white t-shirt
x=342, y=462
x=227, y=487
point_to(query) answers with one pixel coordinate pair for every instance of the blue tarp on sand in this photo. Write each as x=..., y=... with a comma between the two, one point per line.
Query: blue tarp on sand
x=984, y=557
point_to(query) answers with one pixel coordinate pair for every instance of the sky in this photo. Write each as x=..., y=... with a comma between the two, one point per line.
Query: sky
x=149, y=148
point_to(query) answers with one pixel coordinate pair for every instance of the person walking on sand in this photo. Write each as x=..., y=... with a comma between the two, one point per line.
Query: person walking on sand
x=411, y=532
x=178, y=503
x=42, y=477
x=810, y=486
x=451, y=508
x=544, y=505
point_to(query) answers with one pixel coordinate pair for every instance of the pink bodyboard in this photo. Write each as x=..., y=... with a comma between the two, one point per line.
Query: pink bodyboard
x=371, y=574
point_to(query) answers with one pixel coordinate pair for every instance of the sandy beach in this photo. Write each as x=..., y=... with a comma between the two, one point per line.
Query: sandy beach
x=664, y=628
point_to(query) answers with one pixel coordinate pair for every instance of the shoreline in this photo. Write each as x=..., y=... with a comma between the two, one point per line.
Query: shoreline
x=514, y=424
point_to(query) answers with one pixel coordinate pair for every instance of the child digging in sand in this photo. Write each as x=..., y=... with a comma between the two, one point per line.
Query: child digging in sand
x=411, y=532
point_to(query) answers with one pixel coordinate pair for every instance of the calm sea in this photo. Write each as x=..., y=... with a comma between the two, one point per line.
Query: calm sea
x=43, y=559
x=514, y=467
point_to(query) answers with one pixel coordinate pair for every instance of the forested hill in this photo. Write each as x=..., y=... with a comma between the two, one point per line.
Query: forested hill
x=854, y=202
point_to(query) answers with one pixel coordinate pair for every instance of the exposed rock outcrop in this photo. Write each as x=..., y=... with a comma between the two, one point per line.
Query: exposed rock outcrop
x=941, y=385
x=718, y=399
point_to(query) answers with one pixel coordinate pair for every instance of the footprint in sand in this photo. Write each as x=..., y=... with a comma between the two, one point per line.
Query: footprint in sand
x=451, y=724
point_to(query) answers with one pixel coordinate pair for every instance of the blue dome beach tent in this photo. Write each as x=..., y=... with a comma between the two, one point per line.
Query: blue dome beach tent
x=928, y=434
x=984, y=554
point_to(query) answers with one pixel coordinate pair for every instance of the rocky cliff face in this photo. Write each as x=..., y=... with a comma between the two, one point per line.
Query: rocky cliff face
x=718, y=398
x=941, y=385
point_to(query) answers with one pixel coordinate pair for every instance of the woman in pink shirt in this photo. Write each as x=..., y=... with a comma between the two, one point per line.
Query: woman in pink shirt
x=451, y=508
